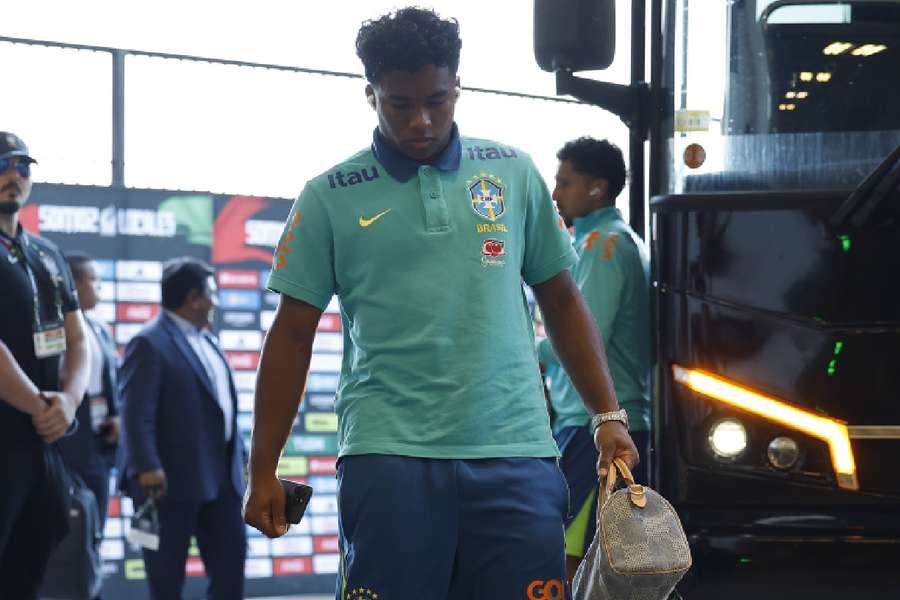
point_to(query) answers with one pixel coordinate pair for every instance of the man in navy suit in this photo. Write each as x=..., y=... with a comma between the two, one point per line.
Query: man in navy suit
x=180, y=438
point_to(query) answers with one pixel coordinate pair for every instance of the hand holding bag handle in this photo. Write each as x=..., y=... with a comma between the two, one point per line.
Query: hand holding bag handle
x=635, y=491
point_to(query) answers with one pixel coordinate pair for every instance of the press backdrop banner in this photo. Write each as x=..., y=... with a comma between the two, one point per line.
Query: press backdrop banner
x=132, y=232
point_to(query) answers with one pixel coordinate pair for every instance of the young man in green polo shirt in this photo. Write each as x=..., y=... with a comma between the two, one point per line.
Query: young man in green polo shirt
x=448, y=478
x=613, y=274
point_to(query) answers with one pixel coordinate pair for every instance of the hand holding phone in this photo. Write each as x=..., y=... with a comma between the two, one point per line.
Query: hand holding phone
x=296, y=499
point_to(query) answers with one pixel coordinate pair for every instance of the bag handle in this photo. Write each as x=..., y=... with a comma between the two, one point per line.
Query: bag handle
x=635, y=491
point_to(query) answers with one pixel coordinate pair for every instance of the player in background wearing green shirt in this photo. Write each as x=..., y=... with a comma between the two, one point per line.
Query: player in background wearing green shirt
x=613, y=274
x=448, y=483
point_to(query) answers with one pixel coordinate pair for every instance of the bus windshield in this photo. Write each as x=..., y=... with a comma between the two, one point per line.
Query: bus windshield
x=784, y=95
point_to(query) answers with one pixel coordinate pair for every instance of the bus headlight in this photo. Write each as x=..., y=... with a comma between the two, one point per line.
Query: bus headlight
x=728, y=438
x=783, y=452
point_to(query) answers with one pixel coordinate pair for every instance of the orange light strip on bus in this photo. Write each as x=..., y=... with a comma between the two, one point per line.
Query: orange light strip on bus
x=831, y=431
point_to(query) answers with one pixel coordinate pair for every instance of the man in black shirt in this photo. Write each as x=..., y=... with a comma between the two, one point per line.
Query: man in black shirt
x=40, y=325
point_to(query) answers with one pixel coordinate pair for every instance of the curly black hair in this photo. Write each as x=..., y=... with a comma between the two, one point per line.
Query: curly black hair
x=408, y=39
x=596, y=158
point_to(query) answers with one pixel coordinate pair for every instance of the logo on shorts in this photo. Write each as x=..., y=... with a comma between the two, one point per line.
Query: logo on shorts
x=552, y=589
x=492, y=253
x=486, y=194
x=362, y=594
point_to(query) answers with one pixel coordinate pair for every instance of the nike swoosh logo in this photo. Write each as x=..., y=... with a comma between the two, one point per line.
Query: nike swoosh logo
x=363, y=222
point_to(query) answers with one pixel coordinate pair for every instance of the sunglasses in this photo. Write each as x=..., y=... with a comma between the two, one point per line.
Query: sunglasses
x=22, y=166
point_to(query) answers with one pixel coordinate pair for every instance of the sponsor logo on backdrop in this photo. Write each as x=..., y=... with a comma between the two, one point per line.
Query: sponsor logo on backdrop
x=112, y=549
x=245, y=381
x=328, y=342
x=257, y=568
x=323, y=525
x=233, y=240
x=322, y=382
x=239, y=319
x=258, y=547
x=242, y=360
x=325, y=362
x=263, y=233
x=322, y=465
x=107, y=222
x=320, y=402
x=266, y=318
x=292, y=546
x=139, y=313
x=316, y=422
x=326, y=544
x=106, y=269
x=245, y=422
x=329, y=322
x=293, y=466
x=323, y=505
x=129, y=291
x=324, y=485
x=292, y=566
x=238, y=279
x=239, y=299
x=312, y=444
x=271, y=299
x=139, y=270
x=326, y=564
x=233, y=339
x=245, y=401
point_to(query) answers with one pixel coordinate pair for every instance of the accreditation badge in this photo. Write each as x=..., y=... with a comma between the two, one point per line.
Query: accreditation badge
x=144, y=530
x=49, y=342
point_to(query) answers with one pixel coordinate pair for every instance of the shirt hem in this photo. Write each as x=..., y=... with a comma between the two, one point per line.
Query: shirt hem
x=548, y=450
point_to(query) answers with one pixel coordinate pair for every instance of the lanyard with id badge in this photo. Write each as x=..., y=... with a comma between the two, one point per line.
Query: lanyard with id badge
x=49, y=336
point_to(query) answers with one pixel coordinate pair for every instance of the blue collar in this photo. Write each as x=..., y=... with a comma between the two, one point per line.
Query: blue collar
x=403, y=168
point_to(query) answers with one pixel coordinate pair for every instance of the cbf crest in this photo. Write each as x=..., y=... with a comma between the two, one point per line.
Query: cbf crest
x=486, y=194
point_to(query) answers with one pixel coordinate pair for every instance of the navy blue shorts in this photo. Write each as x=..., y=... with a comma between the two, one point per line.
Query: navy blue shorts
x=579, y=465
x=442, y=529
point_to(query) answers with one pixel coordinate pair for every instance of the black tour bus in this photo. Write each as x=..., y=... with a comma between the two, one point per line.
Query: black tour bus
x=774, y=226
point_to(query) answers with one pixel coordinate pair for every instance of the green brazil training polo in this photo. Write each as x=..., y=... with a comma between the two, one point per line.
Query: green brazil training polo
x=427, y=261
x=613, y=274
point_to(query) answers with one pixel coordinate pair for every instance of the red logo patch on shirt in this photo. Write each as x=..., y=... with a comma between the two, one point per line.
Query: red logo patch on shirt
x=492, y=247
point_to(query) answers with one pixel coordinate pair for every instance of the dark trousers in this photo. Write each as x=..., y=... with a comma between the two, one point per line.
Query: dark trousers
x=34, y=507
x=98, y=483
x=222, y=540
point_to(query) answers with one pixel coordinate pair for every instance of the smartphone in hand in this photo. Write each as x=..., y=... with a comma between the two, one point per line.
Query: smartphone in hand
x=296, y=499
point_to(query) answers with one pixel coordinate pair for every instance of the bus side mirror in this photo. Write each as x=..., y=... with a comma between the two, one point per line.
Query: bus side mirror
x=576, y=35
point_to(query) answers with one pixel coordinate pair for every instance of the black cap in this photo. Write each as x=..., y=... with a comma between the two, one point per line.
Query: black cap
x=11, y=146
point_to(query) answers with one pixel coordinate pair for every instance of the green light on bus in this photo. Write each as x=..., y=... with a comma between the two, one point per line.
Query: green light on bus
x=845, y=242
x=832, y=366
x=744, y=561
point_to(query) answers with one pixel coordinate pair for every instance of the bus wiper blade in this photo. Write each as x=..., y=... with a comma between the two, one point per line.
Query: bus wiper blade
x=862, y=202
